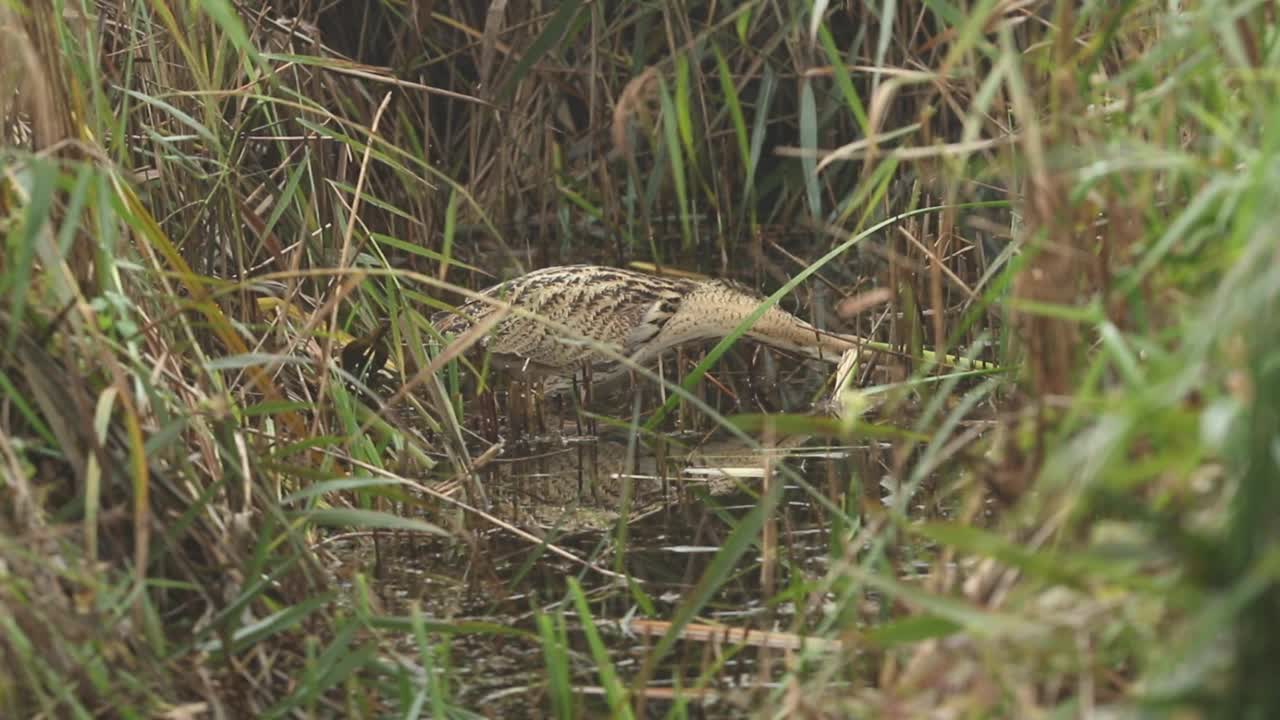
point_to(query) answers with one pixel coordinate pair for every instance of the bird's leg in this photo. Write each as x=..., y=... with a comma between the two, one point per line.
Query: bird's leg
x=577, y=403
x=518, y=410
x=662, y=376
x=593, y=476
x=540, y=406
x=489, y=403
x=589, y=400
x=682, y=365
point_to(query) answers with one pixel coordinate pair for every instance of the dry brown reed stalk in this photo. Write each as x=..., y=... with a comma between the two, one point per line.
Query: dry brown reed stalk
x=1055, y=229
x=720, y=634
x=36, y=95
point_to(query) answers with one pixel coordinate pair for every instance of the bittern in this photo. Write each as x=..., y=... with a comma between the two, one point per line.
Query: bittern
x=560, y=320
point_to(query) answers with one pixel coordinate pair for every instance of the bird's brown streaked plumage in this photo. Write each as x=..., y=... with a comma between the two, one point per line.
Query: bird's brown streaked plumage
x=639, y=316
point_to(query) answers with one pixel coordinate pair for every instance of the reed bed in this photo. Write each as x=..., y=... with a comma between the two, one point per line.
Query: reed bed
x=204, y=515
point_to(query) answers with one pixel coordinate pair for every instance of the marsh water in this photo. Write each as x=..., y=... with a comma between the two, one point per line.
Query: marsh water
x=639, y=520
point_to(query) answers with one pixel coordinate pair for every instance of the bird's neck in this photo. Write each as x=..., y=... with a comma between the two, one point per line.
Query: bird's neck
x=714, y=309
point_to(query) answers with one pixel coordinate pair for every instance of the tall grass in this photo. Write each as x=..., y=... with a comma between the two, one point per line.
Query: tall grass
x=203, y=202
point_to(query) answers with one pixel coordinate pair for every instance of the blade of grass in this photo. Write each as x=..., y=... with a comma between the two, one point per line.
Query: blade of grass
x=615, y=692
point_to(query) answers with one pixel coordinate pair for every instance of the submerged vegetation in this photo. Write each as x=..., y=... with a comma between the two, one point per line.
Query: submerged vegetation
x=205, y=514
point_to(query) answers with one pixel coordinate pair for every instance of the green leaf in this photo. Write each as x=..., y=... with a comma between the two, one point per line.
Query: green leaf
x=337, y=485
x=246, y=360
x=809, y=144
x=734, y=104
x=910, y=630
x=270, y=625
x=355, y=517
x=550, y=35
x=556, y=656
x=843, y=81
x=676, y=156
x=228, y=18
x=416, y=249
x=684, y=99
x=614, y=691
x=43, y=175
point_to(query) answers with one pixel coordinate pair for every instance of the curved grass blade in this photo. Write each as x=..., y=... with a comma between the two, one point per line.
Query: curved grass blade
x=556, y=29
x=355, y=517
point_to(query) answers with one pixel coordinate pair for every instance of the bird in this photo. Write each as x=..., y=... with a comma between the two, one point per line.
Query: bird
x=568, y=314
x=562, y=318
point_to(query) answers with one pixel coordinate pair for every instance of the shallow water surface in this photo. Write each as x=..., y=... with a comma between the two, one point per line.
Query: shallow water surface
x=556, y=513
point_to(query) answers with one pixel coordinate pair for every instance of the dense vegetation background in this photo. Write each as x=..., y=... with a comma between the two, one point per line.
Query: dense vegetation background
x=202, y=201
